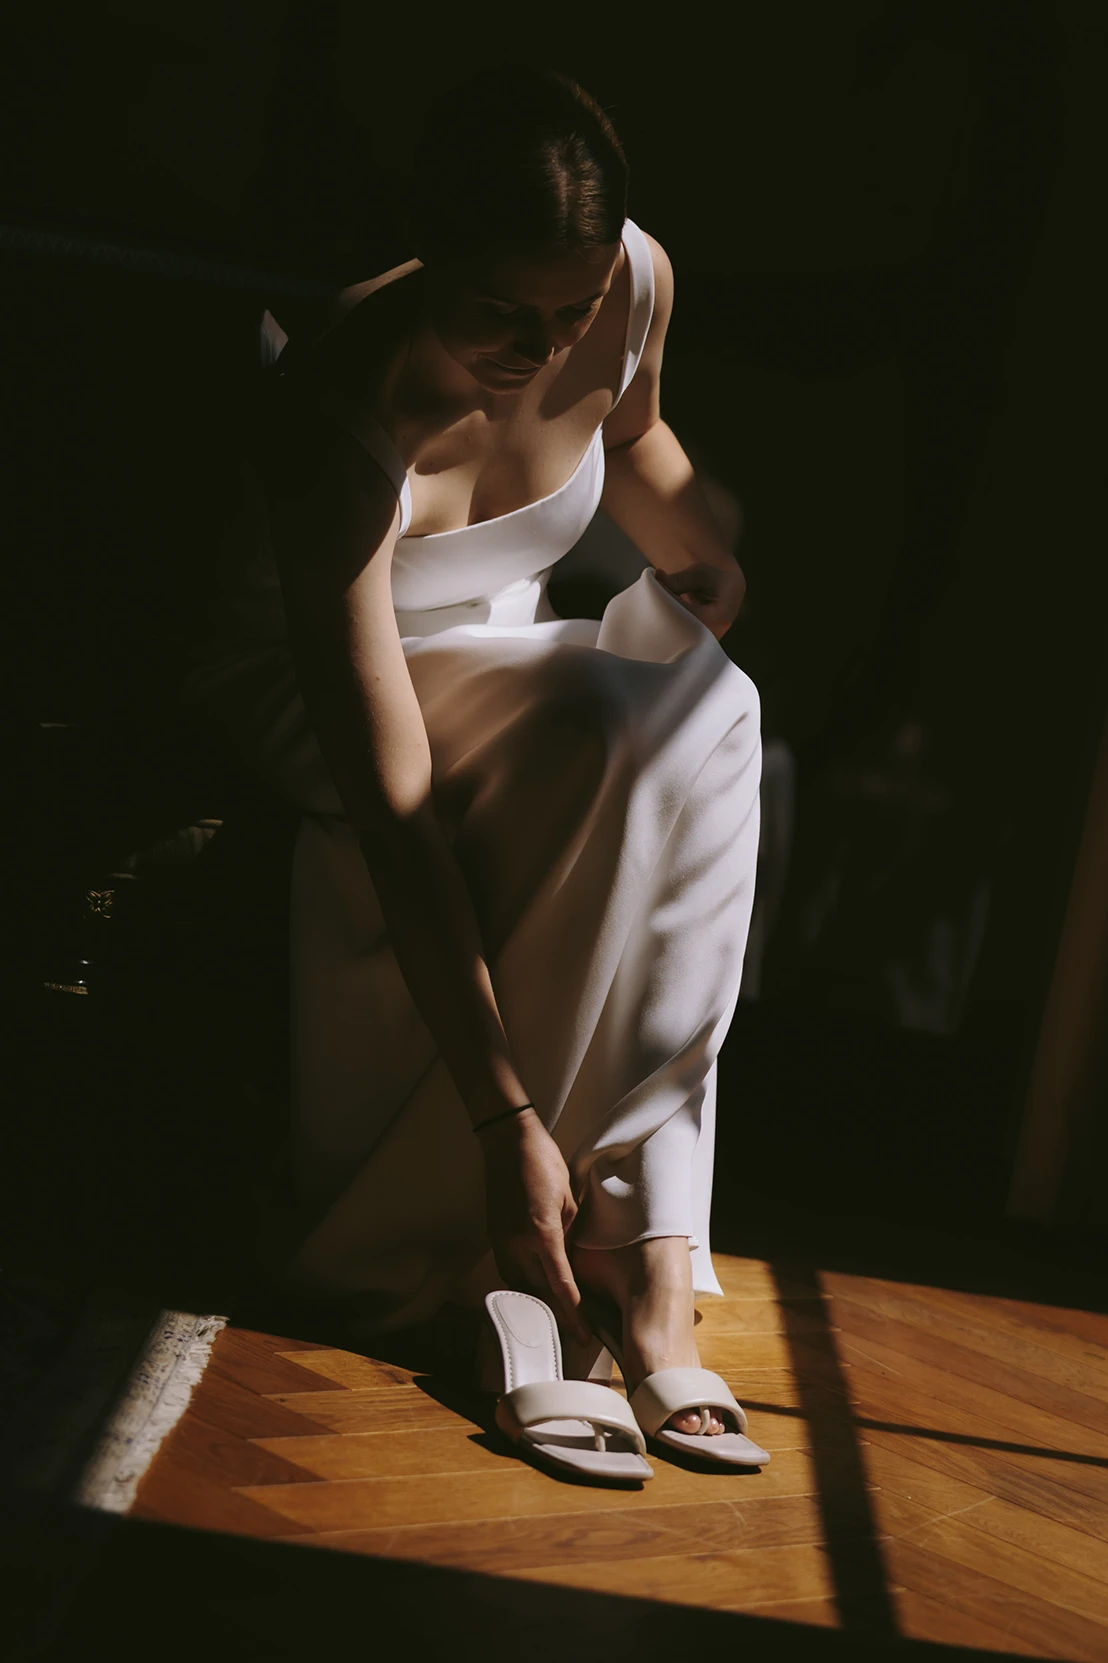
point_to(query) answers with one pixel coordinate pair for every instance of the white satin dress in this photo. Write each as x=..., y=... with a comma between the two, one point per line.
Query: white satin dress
x=599, y=782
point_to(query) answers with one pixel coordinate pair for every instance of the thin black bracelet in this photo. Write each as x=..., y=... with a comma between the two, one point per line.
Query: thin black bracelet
x=505, y=1114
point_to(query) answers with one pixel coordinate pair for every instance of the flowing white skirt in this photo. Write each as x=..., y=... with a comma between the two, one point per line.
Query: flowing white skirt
x=599, y=783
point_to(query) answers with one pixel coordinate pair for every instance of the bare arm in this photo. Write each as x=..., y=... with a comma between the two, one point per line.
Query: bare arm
x=334, y=538
x=334, y=520
x=651, y=491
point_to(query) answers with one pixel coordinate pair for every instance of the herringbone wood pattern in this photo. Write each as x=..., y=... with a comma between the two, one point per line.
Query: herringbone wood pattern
x=940, y=1468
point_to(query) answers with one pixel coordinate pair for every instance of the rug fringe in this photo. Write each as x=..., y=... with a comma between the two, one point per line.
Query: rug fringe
x=155, y=1397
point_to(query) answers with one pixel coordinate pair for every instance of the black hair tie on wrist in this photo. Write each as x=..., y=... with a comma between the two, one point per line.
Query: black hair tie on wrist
x=505, y=1114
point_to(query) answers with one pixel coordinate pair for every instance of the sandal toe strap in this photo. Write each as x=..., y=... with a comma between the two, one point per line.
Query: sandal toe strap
x=673, y=1391
x=547, y=1400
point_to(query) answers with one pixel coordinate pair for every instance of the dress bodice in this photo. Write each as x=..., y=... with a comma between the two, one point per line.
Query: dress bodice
x=490, y=571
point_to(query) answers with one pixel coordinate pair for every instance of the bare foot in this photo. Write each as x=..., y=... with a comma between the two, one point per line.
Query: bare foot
x=651, y=1283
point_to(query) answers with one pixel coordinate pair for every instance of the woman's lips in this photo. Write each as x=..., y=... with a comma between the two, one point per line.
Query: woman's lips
x=514, y=369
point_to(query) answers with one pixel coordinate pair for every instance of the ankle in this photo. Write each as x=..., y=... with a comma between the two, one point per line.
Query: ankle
x=658, y=1331
x=650, y=1347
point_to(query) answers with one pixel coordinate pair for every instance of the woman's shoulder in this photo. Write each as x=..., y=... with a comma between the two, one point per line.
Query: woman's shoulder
x=663, y=266
x=351, y=298
x=367, y=325
x=316, y=387
x=662, y=270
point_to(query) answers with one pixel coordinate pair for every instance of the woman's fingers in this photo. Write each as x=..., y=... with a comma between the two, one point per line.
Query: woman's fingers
x=699, y=579
x=564, y=1292
x=710, y=593
x=539, y=1263
x=530, y=1207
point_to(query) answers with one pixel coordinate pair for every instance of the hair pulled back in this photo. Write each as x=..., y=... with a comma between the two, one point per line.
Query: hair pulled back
x=516, y=156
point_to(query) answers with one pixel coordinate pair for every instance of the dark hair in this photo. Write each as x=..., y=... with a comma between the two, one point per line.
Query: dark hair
x=516, y=155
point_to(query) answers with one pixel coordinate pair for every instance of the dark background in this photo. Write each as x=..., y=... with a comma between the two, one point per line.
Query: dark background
x=882, y=223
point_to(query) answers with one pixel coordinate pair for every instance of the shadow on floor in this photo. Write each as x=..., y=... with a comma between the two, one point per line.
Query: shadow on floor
x=849, y=1529
x=134, y=1591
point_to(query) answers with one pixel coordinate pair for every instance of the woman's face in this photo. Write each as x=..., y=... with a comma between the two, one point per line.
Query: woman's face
x=505, y=315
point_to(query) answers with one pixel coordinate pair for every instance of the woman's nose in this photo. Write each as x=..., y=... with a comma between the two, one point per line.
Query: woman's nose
x=539, y=347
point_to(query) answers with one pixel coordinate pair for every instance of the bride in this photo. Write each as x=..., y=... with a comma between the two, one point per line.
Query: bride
x=524, y=872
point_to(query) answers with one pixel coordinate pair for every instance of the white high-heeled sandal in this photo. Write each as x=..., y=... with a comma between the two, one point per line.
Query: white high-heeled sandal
x=567, y=1426
x=672, y=1392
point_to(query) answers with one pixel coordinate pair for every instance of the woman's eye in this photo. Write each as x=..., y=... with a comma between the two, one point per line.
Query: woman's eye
x=497, y=309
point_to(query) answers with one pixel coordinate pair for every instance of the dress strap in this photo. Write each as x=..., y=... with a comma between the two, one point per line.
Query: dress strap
x=642, y=301
x=272, y=340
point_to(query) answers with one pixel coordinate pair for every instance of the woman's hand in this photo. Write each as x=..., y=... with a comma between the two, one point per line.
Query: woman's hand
x=711, y=593
x=530, y=1207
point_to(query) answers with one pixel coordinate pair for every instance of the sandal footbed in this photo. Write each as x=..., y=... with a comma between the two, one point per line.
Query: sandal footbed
x=728, y=1449
x=620, y=1468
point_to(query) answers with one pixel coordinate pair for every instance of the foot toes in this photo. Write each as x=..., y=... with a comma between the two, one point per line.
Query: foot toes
x=689, y=1421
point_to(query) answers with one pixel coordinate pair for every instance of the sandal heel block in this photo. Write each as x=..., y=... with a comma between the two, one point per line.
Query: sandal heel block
x=488, y=1372
x=672, y=1392
x=575, y=1428
x=587, y=1362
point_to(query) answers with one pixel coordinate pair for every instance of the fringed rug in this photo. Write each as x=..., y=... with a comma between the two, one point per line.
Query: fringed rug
x=92, y=1388
x=154, y=1398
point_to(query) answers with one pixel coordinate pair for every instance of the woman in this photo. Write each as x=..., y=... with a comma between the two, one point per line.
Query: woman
x=523, y=879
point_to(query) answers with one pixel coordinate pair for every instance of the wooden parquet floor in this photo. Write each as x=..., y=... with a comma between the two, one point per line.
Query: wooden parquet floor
x=939, y=1471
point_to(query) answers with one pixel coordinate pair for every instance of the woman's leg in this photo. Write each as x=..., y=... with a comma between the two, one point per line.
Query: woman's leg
x=651, y=1282
x=680, y=974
